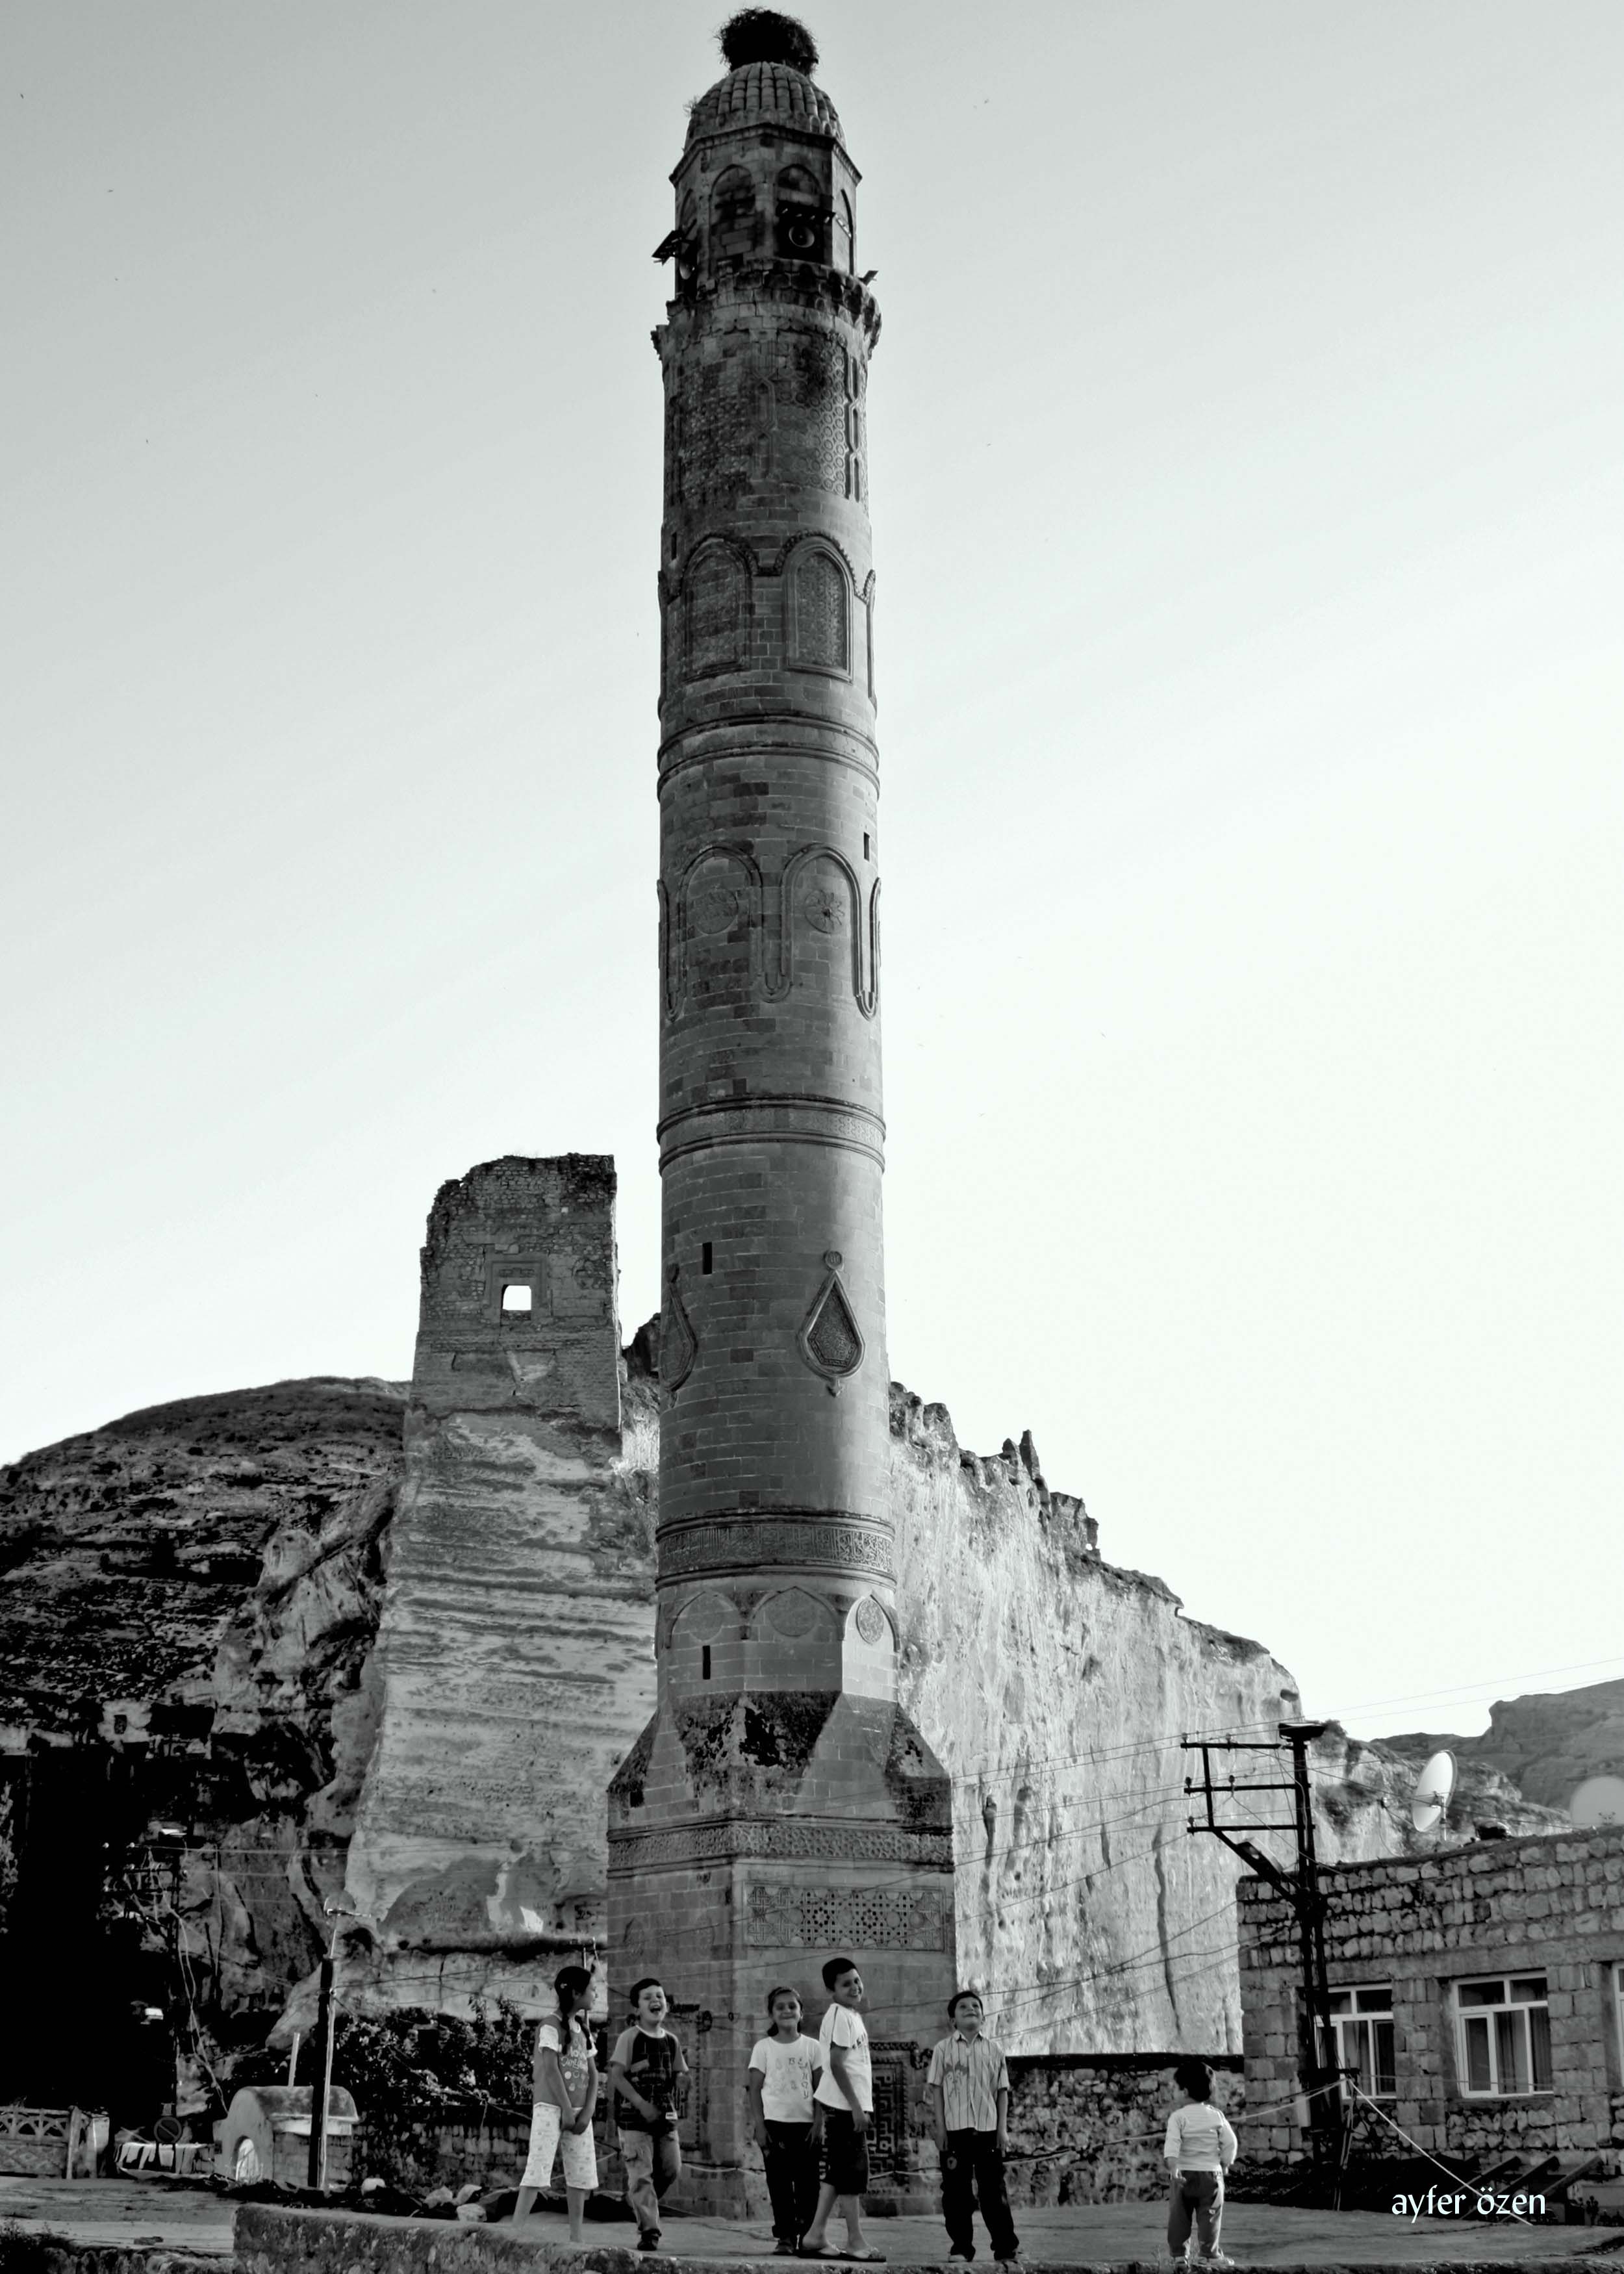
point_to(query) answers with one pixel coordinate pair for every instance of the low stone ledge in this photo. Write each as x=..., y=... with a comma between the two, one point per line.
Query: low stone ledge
x=270, y=2240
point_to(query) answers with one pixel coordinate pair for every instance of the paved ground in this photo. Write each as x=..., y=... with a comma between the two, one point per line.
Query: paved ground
x=123, y=2212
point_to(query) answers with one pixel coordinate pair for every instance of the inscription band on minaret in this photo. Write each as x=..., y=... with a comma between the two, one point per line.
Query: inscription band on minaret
x=779, y=1807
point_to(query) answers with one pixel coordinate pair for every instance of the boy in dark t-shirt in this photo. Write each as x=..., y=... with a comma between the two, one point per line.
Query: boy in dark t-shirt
x=644, y=2071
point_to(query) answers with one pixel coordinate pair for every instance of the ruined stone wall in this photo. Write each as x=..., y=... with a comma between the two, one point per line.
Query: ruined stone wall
x=1550, y=1908
x=513, y=1663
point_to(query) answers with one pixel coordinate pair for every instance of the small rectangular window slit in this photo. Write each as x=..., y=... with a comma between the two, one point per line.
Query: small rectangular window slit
x=704, y=1662
x=868, y=856
x=705, y=1259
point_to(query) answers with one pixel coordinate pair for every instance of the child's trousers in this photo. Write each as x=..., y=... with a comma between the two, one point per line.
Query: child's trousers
x=1198, y=2195
x=973, y=2170
x=653, y=2160
x=790, y=2157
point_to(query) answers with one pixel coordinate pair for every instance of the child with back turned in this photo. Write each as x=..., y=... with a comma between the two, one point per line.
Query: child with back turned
x=1199, y=2148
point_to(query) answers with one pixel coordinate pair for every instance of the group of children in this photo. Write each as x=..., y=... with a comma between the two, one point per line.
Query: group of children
x=811, y=2103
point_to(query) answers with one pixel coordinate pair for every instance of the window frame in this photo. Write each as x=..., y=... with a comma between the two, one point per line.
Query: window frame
x=1505, y=2010
x=1362, y=2022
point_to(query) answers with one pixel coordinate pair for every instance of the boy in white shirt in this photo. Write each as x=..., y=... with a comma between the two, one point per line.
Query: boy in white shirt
x=1200, y=2148
x=845, y=2091
x=785, y=2119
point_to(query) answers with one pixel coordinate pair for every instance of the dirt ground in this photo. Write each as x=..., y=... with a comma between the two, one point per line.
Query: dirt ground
x=126, y=2212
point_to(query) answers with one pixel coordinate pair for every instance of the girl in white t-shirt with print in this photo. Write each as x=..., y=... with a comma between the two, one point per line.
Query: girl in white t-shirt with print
x=785, y=2066
x=564, y=2088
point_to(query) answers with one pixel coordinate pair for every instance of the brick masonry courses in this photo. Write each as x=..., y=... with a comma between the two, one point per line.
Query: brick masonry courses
x=780, y=1805
x=1551, y=1906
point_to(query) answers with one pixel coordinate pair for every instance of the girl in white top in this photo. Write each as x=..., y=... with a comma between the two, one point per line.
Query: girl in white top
x=565, y=2092
x=785, y=2066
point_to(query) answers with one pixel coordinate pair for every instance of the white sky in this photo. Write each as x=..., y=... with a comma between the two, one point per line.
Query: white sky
x=1246, y=480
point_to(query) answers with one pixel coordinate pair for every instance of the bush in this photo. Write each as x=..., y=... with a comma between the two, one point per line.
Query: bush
x=23, y=2250
x=414, y=2063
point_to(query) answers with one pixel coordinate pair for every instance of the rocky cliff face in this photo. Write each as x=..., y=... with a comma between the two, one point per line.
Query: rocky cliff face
x=189, y=1600
x=194, y=1597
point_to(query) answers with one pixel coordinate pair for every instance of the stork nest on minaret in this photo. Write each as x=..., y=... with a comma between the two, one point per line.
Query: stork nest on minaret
x=761, y=35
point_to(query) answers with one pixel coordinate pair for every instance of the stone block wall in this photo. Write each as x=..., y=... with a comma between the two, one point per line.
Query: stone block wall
x=419, y=2154
x=1551, y=1906
x=1089, y=2127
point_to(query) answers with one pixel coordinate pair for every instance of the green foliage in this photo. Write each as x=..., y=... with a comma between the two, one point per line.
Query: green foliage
x=415, y=2064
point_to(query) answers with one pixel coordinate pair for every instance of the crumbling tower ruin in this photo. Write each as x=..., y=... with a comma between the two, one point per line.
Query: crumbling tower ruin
x=779, y=1807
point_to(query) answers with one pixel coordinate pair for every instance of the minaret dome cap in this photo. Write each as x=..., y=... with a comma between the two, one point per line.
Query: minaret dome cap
x=771, y=60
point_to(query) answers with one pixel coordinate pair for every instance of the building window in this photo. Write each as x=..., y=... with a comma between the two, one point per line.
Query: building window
x=1504, y=2036
x=516, y=1300
x=1362, y=2021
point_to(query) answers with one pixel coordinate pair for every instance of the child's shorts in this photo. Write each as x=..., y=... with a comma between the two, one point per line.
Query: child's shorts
x=846, y=2153
x=546, y=2135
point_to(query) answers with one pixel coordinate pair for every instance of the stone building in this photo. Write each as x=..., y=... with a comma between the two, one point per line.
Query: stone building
x=1477, y=1992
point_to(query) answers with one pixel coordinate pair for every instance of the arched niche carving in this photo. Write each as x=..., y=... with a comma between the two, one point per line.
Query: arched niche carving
x=817, y=607
x=706, y=1617
x=868, y=602
x=716, y=609
x=733, y=221
x=792, y=1615
x=871, y=1625
x=821, y=909
x=718, y=928
x=801, y=218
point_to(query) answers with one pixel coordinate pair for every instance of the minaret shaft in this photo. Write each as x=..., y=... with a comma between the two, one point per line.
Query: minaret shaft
x=779, y=1807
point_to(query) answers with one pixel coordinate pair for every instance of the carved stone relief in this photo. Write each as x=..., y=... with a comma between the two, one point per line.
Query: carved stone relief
x=835, y=1918
x=751, y=1543
x=679, y=1344
x=830, y=1340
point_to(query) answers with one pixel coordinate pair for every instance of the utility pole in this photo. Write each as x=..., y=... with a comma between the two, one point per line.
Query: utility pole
x=321, y=2082
x=316, y=2171
x=1300, y=1889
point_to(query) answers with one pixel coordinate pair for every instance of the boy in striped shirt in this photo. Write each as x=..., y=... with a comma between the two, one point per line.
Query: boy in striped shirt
x=967, y=2100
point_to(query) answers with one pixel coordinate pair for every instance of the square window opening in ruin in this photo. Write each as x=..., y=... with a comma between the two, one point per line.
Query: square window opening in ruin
x=706, y=1259
x=518, y=1298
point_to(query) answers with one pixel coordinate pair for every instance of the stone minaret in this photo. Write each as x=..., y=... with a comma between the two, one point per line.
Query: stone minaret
x=779, y=1807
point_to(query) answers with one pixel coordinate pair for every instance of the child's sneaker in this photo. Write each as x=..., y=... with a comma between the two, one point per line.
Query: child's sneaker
x=1217, y=2258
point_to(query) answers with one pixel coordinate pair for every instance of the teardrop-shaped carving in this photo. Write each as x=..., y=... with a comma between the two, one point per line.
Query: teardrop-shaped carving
x=831, y=1341
x=679, y=1344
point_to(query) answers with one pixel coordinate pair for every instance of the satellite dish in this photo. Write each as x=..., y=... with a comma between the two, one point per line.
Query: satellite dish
x=1598, y=1800
x=1429, y=1800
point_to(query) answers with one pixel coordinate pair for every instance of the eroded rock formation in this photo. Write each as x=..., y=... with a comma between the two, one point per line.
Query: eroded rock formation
x=316, y=1655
